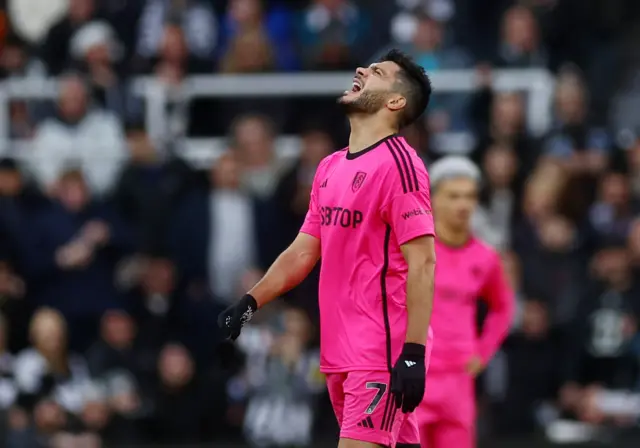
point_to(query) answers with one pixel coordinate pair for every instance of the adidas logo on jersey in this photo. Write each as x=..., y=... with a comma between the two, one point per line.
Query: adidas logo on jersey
x=366, y=423
x=410, y=363
x=324, y=184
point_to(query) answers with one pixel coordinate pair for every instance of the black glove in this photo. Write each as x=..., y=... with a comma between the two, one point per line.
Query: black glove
x=235, y=316
x=408, y=377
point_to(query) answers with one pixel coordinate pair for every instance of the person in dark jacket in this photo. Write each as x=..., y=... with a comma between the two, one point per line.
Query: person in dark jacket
x=179, y=412
x=19, y=202
x=599, y=349
x=71, y=255
x=218, y=236
x=148, y=189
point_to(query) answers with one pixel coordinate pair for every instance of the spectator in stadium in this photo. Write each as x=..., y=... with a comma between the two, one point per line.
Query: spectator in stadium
x=294, y=187
x=150, y=186
x=500, y=119
x=172, y=61
x=178, y=409
x=170, y=68
x=55, y=50
x=16, y=62
x=495, y=215
x=80, y=134
x=248, y=52
x=524, y=379
x=18, y=197
x=600, y=349
x=633, y=242
x=150, y=283
x=551, y=247
x=573, y=140
x=196, y=17
x=253, y=139
x=333, y=35
x=584, y=149
x=631, y=161
x=513, y=269
x=54, y=385
x=118, y=366
x=19, y=202
x=446, y=111
x=215, y=237
x=417, y=135
x=282, y=393
x=71, y=255
x=13, y=304
x=11, y=208
x=114, y=351
x=249, y=23
x=612, y=215
x=8, y=389
x=520, y=45
x=97, y=52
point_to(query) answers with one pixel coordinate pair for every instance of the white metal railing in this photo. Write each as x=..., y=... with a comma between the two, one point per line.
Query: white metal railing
x=537, y=83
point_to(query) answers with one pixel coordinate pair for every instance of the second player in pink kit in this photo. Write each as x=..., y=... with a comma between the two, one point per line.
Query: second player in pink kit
x=467, y=270
x=370, y=222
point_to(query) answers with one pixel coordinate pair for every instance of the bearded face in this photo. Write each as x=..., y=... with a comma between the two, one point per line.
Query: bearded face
x=366, y=102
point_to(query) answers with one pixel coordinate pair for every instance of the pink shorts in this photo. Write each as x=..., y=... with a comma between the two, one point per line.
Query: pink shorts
x=365, y=409
x=447, y=414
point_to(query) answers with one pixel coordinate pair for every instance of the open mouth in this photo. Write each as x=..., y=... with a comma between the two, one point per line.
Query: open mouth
x=356, y=86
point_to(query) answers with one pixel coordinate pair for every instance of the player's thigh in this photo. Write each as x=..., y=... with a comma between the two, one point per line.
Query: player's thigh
x=369, y=411
x=446, y=434
x=449, y=396
x=335, y=387
x=352, y=443
x=460, y=407
x=447, y=415
x=409, y=434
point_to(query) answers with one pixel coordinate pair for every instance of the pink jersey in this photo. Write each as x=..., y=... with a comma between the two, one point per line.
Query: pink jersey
x=464, y=275
x=363, y=207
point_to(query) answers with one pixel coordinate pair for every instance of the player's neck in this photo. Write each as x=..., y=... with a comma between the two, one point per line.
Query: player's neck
x=452, y=237
x=366, y=131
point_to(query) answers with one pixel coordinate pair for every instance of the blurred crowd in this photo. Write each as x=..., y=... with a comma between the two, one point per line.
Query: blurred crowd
x=116, y=255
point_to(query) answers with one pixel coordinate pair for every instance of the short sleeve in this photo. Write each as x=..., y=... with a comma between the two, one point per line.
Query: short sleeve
x=409, y=215
x=312, y=220
x=407, y=204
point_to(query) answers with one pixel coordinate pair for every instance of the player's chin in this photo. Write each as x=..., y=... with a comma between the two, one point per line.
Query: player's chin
x=463, y=220
x=348, y=97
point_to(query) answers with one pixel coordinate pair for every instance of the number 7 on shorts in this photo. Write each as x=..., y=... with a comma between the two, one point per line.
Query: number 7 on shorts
x=381, y=389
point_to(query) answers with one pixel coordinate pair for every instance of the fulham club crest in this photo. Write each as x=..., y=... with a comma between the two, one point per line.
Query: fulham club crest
x=358, y=180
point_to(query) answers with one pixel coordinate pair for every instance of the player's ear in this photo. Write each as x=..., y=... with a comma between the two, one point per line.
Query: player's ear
x=396, y=103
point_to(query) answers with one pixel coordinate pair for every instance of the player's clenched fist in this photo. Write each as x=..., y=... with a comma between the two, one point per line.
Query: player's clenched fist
x=235, y=316
x=408, y=377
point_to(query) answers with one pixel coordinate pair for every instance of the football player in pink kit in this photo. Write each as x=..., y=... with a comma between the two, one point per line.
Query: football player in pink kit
x=370, y=221
x=467, y=271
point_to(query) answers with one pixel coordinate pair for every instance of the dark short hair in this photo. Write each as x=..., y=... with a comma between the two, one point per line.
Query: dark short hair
x=8, y=164
x=134, y=126
x=414, y=84
x=265, y=120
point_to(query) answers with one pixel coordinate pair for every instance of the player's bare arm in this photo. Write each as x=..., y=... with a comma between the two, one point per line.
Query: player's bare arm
x=289, y=270
x=420, y=255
